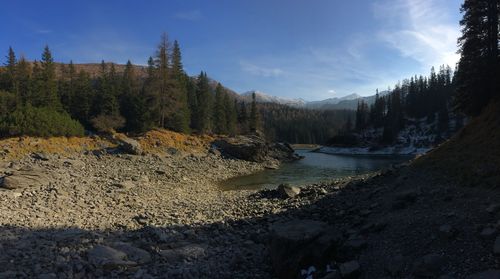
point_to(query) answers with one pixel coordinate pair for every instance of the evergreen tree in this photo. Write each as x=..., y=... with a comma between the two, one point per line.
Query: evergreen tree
x=133, y=105
x=180, y=120
x=220, y=121
x=478, y=68
x=205, y=104
x=254, y=115
x=12, y=83
x=243, y=118
x=231, y=115
x=48, y=87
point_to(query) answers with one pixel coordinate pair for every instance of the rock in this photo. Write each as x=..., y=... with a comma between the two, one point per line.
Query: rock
x=125, y=185
x=40, y=156
x=395, y=266
x=488, y=274
x=24, y=178
x=47, y=276
x=272, y=165
x=108, y=257
x=493, y=208
x=190, y=251
x=286, y=191
x=130, y=146
x=350, y=269
x=135, y=254
x=488, y=233
x=447, y=231
x=298, y=243
x=335, y=274
x=496, y=246
x=429, y=266
x=255, y=148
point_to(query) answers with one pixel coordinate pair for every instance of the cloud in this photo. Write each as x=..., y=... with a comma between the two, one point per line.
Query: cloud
x=331, y=91
x=260, y=71
x=419, y=29
x=193, y=15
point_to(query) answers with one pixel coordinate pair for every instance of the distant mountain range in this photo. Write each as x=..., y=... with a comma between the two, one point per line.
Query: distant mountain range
x=347, y=102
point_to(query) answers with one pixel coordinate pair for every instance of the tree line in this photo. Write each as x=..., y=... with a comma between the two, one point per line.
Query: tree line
x=43, y=98
x=418, y=97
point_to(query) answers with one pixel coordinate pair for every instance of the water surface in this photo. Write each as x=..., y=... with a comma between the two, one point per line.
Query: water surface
x=314, y=168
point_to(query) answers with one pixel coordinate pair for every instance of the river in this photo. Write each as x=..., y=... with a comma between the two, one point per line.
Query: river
x=314, y=168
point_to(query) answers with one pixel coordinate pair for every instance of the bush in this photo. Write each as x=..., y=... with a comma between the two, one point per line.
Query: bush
x=108, y=123
x=41, y=122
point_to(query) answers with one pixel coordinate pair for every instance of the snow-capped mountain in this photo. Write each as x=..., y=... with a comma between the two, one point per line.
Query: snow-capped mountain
x=346, y=102
x=262, y=97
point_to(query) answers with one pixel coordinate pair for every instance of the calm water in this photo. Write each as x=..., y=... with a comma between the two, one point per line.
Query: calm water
x=315, y=167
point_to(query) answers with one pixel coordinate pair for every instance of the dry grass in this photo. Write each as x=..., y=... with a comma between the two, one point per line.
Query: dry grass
x=472, y=157
x=18, y=147
x=155, y=142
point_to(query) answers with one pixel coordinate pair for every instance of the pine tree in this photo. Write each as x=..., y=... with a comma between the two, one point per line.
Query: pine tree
x=243, y=118
x=231, y=115
x=48, y=90
x=133, y=105
x=181, y=116
x=478, y=68
x=12, y=83
x=254, y=115
x=205, y=105
x=23, y=73
x=220, y=121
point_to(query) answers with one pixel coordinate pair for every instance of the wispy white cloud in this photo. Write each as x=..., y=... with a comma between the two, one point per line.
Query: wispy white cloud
x=192, y=15
x=260, y=70
x=419, y=29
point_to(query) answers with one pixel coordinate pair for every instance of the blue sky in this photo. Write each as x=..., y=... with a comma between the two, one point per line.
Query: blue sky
x=291, y=48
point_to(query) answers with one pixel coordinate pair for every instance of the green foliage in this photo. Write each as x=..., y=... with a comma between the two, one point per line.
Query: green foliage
x=108, y=123
x=43, y=122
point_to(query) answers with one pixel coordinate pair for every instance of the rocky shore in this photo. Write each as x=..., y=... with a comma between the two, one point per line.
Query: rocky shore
x=114, y=215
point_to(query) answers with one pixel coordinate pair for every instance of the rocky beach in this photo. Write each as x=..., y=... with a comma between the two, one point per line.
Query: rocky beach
x=99, y=214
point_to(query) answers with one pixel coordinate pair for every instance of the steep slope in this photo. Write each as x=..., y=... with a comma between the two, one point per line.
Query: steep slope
x=472, y=157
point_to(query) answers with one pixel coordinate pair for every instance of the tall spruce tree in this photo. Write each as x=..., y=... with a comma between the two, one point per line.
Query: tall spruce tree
x=478, y=68
x=48, y=87
x=205, y=105
x=254, y=115
x=220, y=121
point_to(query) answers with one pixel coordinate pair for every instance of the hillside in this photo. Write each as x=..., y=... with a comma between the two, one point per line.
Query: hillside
x=472, y=156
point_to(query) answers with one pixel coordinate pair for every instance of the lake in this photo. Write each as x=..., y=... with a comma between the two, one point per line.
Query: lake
x=314, y=168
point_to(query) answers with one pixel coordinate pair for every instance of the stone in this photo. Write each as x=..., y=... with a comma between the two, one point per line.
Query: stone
x=395, y=266
x=429, y=266
x=335, y=274
x=108, y=258
x=488, y=274
x=496, y=246
x=255, y=148
x=488, y=233
x=189, y=251
x=25, y=178
x=447, y=231
x=350, y=269
x=130, y=146
x=125, y=185
x=286, y=191
x=493, y=208
x=40, y=156
x=135, y=254
x=299, y=243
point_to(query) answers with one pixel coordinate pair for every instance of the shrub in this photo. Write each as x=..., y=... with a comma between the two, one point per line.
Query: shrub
x=42, y=122
x=108, y=123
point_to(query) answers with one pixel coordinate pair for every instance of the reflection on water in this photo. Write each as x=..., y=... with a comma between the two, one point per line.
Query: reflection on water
x=315, y=167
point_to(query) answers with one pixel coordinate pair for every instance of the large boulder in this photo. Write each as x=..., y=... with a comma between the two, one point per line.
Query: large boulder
x=24, y=178
x=298, y=243
x=255, y=148
x=130, y=146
